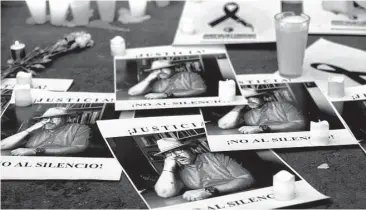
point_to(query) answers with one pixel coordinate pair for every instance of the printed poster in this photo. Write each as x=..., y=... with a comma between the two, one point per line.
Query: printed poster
x=178, y=170
x=278, y=115
x=353, y=112
x=174, y=77
x=354, y=92
x=57, y=138
x=227, y=22
x=336, y=16
x=325, y=58
x=7, y=86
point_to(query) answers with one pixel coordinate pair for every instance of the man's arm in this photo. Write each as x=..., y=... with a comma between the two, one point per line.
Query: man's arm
x=17, y=139
x=231, y=119
x=288, y=126
x=144, y=86
x=167, y=185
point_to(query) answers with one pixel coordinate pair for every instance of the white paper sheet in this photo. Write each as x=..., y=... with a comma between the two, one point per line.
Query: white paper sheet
x=253, y=198
x=95, y=163
x=257, y=16
x=336, y=17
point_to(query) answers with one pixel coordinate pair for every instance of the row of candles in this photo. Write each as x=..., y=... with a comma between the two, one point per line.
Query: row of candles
x=80, y=10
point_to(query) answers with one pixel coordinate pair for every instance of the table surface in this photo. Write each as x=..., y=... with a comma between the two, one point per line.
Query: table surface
x=92, y=71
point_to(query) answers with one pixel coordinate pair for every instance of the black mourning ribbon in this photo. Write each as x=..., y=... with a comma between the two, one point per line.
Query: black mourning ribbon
x=354, y=75
x=231, y=14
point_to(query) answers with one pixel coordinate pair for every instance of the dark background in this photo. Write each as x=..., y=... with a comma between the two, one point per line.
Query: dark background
x=92, y=70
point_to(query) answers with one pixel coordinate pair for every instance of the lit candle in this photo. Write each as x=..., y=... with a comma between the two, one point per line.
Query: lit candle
x=22, y=95
x=17, y=50
x=80, y=11
x=336, y=86
x=227, y=90
x=319, y=133
x=58, y=11
x=24, y=78
x=137, y=7
x=107, y=10
x=187, y=26
x=118, y=46
x=284, y=186
x=162, y=3
x=37, y=8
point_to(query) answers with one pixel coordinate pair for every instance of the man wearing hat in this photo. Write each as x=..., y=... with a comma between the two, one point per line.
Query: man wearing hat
x=162, y=82
x=263, y=117
x=51, y=136
x=200, y=175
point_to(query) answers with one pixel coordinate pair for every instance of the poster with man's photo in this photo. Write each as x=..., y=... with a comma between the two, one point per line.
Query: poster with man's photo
x=324, y=59
x=336, y=16
x=7, y=86
x=175, y=77
x=57, y=138
x=227, y=22
x=353, y=113
x=278, y=115
x=177, y=169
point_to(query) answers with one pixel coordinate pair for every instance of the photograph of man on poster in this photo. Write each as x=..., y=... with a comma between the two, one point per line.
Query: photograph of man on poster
x=201, y=176
x=272, y=108
x=178, y=167
x=164, y=82
x=174, y=77
x=53, y=130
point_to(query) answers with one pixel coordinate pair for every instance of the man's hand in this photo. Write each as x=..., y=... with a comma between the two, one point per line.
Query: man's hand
x=169, y=164
x=36, y=126
x=155, y=95
x=195, y=195
x=250, y=129
x=23, y=152
x=153, y=75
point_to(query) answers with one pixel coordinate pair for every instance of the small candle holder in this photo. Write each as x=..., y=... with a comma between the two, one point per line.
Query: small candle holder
x=118, y=46
x=17, y=51
x=22, y=95
x=319, y=133
x=137, y=7
x=284, y=188
x=107, y=10
x=227, y=90
x=336, y=86
x=38, y=10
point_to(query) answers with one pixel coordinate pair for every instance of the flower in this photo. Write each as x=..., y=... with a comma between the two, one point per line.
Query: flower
x=38, y=58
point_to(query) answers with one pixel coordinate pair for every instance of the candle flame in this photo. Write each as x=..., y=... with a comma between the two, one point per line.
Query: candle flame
x=17, y=42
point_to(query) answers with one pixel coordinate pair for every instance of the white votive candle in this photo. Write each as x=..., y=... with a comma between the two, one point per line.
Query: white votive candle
x=319, y=133
x=118, y=46
x=284, y=186
x=137, y=7
x=37, y=8
x=107, y=10
x=187, y=26
x=22, y=95
x=336, y=86
x=58, y=11
x=163, y=3
x=227, y=90
x=80, y=11
x=24, y=78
